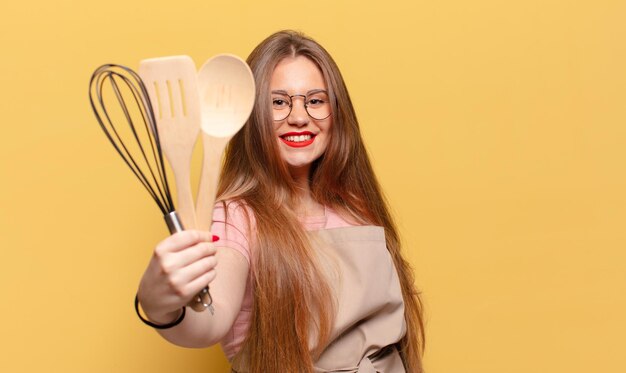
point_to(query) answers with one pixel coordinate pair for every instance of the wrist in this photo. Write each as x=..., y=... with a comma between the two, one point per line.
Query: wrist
x=166, y=321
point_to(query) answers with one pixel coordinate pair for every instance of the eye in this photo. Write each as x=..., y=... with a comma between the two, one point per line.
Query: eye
x=317, y=100
x=279, y=103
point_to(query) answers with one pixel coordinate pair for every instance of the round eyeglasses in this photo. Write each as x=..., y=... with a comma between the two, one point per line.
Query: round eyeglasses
x=316, y=104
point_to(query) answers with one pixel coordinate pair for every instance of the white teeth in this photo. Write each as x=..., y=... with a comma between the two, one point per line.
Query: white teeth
x=300, y=138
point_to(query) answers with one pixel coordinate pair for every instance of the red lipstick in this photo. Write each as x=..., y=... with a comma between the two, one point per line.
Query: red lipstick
x=298, y=139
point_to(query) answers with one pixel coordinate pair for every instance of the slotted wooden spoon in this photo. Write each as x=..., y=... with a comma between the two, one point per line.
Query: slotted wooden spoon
x=227, y=93
x=173, y=89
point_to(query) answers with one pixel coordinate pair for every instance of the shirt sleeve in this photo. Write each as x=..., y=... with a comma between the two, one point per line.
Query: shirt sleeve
x=232, y=224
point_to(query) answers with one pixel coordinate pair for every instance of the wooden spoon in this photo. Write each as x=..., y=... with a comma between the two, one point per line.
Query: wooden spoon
x=227, y=93
x=173, y=89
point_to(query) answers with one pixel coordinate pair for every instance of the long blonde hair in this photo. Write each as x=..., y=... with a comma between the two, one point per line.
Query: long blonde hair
x=290, y=293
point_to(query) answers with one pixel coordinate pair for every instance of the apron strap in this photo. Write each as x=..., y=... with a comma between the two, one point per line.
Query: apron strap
x=366, y=365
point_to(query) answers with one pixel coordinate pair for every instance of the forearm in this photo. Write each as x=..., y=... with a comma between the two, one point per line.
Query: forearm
x=198, y=329
x=203, y=329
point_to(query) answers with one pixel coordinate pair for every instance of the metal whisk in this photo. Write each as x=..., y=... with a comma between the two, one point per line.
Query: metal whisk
x=116, y=91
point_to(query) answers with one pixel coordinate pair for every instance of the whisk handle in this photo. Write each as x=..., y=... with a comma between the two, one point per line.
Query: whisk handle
x=203, y=300
x=173, y=222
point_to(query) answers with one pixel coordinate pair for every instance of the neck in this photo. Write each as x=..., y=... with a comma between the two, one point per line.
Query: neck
x=305, y=205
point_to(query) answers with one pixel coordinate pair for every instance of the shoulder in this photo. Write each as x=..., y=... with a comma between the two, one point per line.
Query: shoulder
x=233, y=212
x=234, y=224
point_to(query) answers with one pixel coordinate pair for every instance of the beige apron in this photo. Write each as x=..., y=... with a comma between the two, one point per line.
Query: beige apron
x=370, y=310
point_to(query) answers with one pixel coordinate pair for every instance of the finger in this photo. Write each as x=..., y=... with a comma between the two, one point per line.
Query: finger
x=171, y=265
x=193, y=254
x=202, y=281
x=181, y=240
x=197, y=269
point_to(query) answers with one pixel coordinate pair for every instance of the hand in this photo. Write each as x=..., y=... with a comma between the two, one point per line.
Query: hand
x=181, y=265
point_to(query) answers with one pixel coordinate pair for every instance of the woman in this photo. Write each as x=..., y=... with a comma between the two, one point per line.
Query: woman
x=311, y=277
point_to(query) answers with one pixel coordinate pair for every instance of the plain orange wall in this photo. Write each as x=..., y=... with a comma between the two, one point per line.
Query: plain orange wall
x=498, y=130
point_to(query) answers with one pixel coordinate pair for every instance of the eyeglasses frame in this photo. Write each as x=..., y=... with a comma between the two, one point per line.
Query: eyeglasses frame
x=306, y=107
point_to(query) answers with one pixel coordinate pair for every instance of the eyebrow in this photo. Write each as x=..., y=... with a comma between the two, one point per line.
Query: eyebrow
x=311, y=92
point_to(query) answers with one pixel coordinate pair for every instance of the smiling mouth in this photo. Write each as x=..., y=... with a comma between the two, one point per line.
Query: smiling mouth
x=298, y=140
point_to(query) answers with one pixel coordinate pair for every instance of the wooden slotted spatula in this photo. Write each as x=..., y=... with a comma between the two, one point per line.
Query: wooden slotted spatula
x=173, y=89
x=227, y=93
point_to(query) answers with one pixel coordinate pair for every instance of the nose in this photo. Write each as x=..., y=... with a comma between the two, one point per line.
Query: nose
x=298, y=116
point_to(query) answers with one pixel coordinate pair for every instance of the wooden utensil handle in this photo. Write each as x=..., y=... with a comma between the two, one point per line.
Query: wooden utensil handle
x=184, y=195
x=209, y=177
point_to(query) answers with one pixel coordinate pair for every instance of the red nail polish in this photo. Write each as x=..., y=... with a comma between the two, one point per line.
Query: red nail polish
x=215, y=238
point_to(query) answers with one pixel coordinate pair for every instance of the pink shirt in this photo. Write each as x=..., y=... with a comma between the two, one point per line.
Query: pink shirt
x=234, y=234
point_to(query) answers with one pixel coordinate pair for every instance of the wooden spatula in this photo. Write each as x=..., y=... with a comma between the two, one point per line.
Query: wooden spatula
x=173, y=89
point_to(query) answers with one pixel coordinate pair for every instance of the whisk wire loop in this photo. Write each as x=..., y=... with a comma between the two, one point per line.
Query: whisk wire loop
x=155, y=150
x=151, y=173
